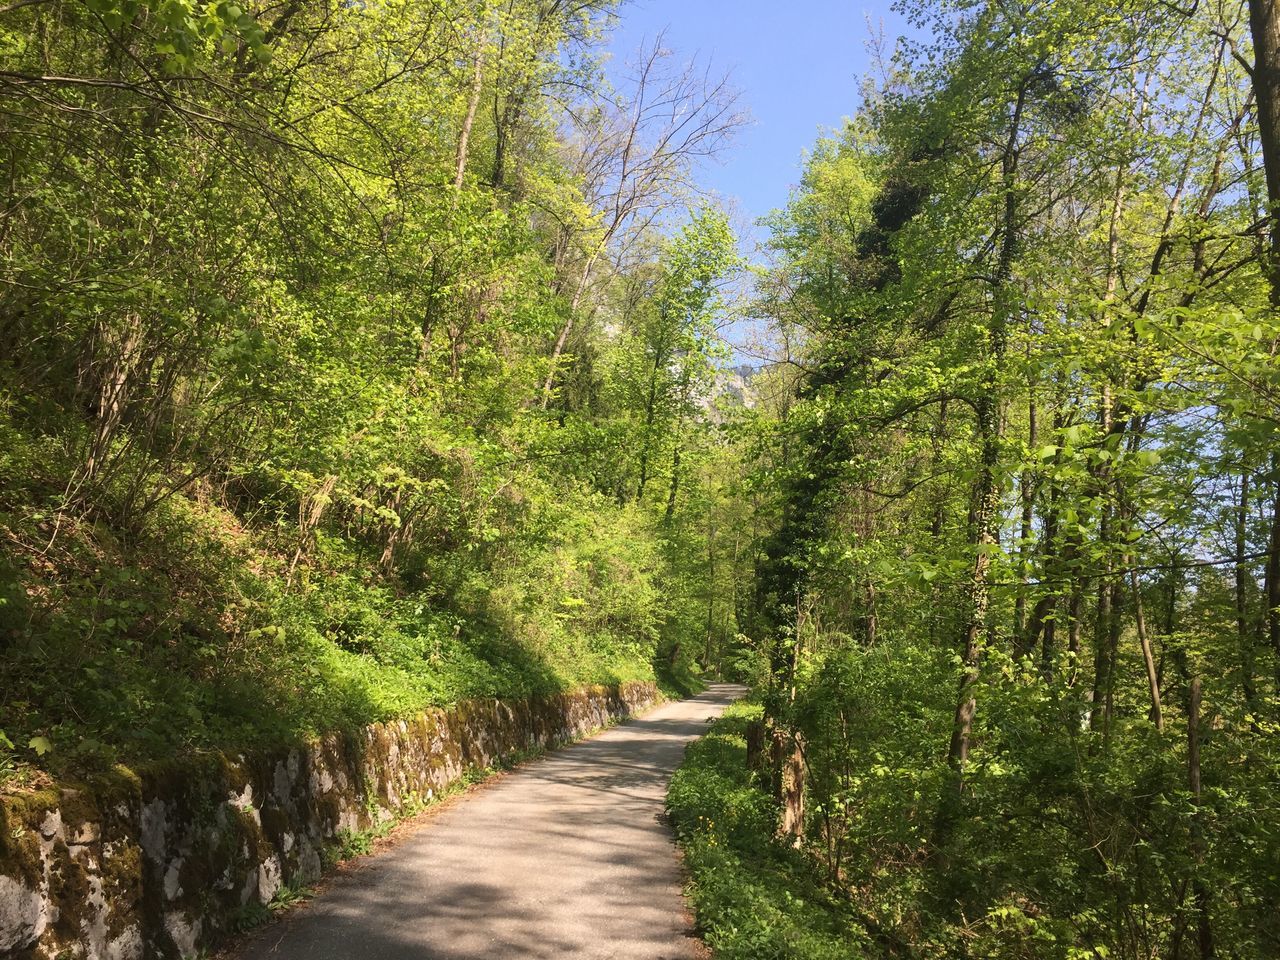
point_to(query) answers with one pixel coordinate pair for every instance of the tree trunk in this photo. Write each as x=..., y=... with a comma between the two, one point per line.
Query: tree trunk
x=1244, y=631
x=473, y=104
x=650, y=415
x=675, y=480
x=556, y=351
x=990, y=417
x=793, y=773
x=1101, y=630
x=1027, y=493
x=755, y=745
x=792, y=769
x=1204, y=930
x=870, y=621
x=1043, y=626
x=1264, y=25
x=1144, y=640
x=1272, y=585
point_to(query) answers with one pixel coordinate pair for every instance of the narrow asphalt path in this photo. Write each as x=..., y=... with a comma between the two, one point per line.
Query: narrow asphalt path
x=567, y=857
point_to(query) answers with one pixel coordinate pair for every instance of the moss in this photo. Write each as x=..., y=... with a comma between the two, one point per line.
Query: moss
x=119, y=784
x=121, y=870
x=196, y=876
x=442, y=749
x=188, y=784
x=78, y=807
x=223, y=852
x=379, y=749
x=21, y=857
x=329, y=811
x=235, y=775
x=250, y=830
x=26, y=809
x=20, y=818
x=69, y=888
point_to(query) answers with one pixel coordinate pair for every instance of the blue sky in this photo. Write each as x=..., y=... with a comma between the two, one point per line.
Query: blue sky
x=798, y=66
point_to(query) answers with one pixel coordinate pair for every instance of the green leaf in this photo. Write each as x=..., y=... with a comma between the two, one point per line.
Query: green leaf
x=41, y=745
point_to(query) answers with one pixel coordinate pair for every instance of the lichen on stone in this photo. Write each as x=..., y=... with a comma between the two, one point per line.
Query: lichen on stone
x=159, y=862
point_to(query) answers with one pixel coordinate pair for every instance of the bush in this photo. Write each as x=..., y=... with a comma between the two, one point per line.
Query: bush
x=754, y=898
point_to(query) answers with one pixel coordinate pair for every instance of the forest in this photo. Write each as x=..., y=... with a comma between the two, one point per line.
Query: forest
x=359, y=358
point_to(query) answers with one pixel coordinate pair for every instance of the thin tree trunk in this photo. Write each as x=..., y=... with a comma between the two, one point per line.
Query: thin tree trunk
x=1272, y=585
x=1204, y=929
x=556, y=352
x=870, y=621
x=650, y=416
x=675, y=480
x=473, y=104
x=1102, y=631
x=990, y=416
x=1043, y=626
x=1144, y=640
x=1075, y=614
x=1106, y=616
x=711, y=587
x=1027, y=492
x=792, y=772
x=1244, y=630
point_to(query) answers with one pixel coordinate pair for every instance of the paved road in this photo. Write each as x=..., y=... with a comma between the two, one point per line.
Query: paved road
x=566, y=857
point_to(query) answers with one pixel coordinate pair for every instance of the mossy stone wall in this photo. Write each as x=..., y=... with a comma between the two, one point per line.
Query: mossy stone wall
x=160, y=863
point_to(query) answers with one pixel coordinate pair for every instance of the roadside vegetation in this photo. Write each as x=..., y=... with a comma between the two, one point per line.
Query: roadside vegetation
x=1018, y=613
x=755, y=898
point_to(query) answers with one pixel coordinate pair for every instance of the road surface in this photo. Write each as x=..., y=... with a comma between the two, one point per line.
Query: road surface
x=567, y=857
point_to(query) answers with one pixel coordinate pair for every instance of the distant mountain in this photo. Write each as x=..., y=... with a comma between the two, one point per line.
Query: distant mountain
x=734, y=383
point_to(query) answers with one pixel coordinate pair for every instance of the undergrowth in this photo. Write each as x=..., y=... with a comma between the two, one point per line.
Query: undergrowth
x=754, y=898
x=196, y=630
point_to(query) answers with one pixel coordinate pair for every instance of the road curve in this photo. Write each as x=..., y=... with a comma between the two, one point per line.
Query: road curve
x=567, y=856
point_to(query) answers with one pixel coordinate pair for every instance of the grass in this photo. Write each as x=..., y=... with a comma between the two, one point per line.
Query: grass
x=754, y=898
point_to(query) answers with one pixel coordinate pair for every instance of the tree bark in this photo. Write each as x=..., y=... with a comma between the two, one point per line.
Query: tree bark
x=558, y=350
x=793, y=777
x=1144, y=640
x=1204, y=929
x=473, y=105
x=674, y=488
x=1027, y=493
x=990, y=415
x=792, y=768
x=1264, y=25
x=1244, y=630
x=1272, y=585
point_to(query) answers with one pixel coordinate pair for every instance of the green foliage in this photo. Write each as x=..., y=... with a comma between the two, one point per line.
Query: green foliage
x=349, y=844
x=276, y=313
x=8, y=760
x=753, y=896
x=1021, y=502
x=255, y=913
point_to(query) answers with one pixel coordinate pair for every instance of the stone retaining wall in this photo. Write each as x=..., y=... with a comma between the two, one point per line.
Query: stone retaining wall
x=165, y=862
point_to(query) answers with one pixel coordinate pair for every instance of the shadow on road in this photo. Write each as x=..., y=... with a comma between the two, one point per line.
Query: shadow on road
x=566, y=857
